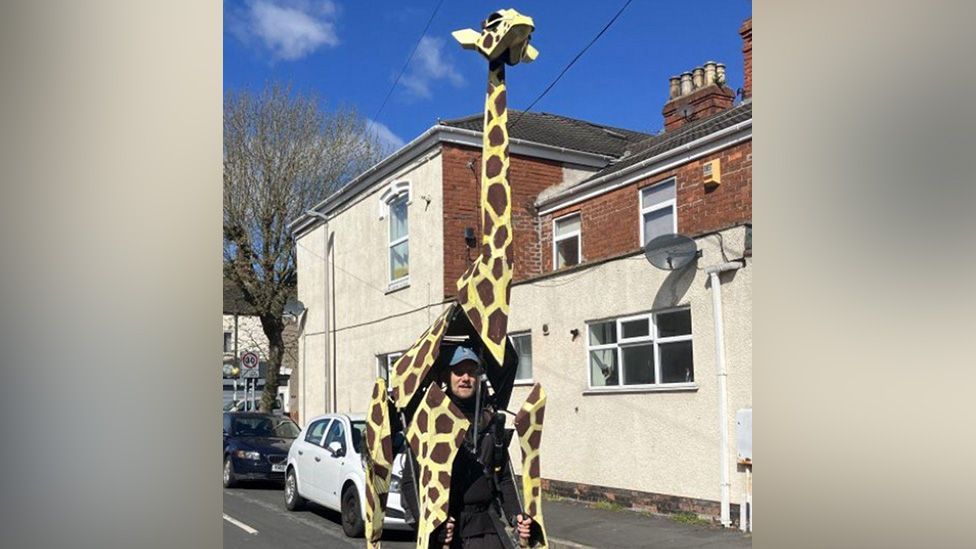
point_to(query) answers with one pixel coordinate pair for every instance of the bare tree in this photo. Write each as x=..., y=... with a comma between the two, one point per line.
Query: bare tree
x=283, y=154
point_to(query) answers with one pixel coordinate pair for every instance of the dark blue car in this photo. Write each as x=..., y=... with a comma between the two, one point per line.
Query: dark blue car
x=256, y=446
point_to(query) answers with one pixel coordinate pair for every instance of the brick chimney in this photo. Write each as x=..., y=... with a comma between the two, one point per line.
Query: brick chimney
x=696, y=94
x=746, y=33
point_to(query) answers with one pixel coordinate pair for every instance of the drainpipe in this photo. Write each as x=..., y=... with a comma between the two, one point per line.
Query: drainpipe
x=325, y=296
x=723, y=405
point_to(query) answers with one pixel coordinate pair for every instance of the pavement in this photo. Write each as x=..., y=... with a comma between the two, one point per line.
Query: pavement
x=255, y=517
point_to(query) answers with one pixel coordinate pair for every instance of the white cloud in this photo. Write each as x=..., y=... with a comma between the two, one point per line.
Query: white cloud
x=388, y=140
x=427, y=66
x=289, y=29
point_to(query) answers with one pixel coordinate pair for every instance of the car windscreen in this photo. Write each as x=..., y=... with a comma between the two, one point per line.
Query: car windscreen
x=257, y=426
x=358, y=433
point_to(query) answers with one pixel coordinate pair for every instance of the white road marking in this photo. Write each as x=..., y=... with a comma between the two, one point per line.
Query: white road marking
x=239, y=524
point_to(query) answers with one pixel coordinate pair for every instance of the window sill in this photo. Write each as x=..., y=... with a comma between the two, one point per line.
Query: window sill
x=524, y=382
x=398, y=285
x=673, y=388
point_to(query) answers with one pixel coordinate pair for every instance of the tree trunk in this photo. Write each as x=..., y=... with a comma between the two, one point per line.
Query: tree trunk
x=273, y=328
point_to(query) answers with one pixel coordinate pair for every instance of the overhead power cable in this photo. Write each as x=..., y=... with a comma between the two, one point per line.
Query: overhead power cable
x=409, y=58
x=571, y=63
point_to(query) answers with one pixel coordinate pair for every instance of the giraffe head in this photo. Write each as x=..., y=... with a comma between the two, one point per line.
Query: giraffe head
x=504, y=35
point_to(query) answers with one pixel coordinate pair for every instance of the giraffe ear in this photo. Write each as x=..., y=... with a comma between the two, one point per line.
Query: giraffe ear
x=530, y=54
x=467, y=37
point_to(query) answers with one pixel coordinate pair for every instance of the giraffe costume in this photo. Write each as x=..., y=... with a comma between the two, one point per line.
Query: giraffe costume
x=435, y=428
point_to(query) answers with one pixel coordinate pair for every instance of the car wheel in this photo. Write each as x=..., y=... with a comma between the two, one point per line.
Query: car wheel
x=230, y=480
x=293, y=500
x=352, y=518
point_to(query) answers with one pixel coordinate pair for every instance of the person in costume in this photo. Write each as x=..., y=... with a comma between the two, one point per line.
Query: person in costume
x=481, y=479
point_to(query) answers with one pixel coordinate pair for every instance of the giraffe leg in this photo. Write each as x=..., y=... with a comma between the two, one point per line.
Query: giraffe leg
x=528, y=424
x=435, y=435
x=379, y=463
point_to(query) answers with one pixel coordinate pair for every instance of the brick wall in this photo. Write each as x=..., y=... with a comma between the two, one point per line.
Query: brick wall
x=611, y=221
x=746, y=32
x=527, y=178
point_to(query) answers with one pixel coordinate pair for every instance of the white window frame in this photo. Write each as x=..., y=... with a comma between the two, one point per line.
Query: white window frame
x=393, y=193
x=390, y=359
x=623, y=343
x=577, y=233
x=670, y=203
x=524, y=380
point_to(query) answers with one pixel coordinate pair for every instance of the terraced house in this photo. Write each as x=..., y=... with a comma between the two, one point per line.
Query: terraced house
x=643, y=391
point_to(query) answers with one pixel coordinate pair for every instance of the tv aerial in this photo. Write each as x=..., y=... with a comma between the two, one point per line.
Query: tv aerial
x=671, y=252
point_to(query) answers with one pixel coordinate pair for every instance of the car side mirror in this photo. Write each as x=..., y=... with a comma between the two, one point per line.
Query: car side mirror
x=335, y=448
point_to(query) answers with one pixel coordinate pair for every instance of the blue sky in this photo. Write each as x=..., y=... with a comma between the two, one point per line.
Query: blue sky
x=349, y=52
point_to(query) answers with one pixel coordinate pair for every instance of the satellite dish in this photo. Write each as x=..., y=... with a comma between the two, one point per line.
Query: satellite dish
x=293, y=309
x=686, y=111
x=671, y=252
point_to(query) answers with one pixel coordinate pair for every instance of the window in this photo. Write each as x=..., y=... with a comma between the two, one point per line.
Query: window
x=228, y=342
x=384, y=364
x=315, y=431
x=566, y=241
x=336, y=434
x=399, y=240
x=523, y=346
x=658, y=211
x=646, y=350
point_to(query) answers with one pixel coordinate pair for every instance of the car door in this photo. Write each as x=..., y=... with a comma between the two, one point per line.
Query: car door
x=331, y=469
x=305, y=458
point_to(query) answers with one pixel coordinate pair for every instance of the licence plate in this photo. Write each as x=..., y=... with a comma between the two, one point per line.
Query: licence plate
x=277, y=467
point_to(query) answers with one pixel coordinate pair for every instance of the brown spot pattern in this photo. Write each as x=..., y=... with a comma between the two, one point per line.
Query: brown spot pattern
x=501, y=235
x=486, y=291
x=493, y=167
x=497, y=199
x=496, y=136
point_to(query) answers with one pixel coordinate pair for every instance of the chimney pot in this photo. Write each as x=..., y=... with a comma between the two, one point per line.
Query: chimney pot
x=709, y=73
x=698, y=77
x=720, y=73
x=674, y=87
x=686, y=83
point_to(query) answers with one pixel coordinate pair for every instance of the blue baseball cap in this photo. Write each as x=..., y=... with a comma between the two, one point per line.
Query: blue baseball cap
x=464, y=353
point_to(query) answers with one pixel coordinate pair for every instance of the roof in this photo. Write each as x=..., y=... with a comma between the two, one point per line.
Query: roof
x=653, y=146
x=664, y=142
x=559, y=131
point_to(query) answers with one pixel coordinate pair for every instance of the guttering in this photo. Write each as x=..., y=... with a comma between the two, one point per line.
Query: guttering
x=434, y=135
x=619, y=179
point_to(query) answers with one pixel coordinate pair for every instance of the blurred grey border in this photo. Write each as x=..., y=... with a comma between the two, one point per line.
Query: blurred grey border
x=111, y=292
x=864, y=255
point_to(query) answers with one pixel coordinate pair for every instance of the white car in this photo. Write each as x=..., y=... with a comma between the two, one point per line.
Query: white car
x=325, y=466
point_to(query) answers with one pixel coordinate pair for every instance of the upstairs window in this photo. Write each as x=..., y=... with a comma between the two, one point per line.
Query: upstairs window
x=648, y=350
x=658, y=206
x=399, y=240
x=566, y=241
x=228, y=342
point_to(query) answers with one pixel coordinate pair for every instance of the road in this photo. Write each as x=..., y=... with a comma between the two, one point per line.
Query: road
x=255, y=517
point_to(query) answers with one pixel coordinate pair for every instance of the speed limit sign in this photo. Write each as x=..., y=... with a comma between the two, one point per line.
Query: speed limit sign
x=249, y=365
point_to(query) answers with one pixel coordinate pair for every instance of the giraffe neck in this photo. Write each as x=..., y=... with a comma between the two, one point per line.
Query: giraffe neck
x=495, y=191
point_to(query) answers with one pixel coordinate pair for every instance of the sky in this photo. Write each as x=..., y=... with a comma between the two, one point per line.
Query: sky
x=349, y=52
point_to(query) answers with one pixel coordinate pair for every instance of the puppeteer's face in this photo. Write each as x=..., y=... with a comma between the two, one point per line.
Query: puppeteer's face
x=463, y=379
